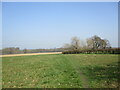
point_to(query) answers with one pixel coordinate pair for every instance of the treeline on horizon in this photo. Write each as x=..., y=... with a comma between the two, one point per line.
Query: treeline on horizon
x=17, y=50
x=92, y=45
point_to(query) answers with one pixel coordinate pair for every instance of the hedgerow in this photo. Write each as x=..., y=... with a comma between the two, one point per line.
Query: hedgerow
x=94, y=51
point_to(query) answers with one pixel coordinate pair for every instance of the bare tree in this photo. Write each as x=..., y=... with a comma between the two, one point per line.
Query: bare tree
x=75, y=43
x=25, y=50
x=67, y=46
x=96, y=42
x=107, y=45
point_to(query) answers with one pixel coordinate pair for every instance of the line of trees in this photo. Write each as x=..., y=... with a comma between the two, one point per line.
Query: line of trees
x=16, y=50
x=11, y=50
x=94, y=44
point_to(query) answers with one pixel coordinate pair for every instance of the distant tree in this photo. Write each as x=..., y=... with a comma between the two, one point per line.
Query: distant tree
x=66, y=45
x=11, y=50
x=74, y=45
x=25, y=50
x=106, y=44
x=96, y=42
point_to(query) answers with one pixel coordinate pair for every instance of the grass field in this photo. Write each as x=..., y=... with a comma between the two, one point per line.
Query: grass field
x=60, y=71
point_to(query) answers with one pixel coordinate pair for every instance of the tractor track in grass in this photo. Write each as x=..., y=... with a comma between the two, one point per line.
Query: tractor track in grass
x=82, y=76
x=84, y=79
x=78, y=69
x=27, y=54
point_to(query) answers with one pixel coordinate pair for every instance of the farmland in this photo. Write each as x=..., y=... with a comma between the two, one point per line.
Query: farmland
x=60, y=71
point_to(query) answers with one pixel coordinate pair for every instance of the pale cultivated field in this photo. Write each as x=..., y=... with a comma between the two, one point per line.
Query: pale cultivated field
x=27, y=54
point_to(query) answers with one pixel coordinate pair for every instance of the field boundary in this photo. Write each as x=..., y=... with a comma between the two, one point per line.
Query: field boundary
x=28, y=54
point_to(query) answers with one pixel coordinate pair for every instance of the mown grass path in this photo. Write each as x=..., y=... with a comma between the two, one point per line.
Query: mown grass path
x=84, y=80
x=60, y=71
x=76, y=65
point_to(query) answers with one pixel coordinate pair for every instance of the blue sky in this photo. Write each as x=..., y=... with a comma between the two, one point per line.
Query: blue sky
x=50, y=25
x=0, y=25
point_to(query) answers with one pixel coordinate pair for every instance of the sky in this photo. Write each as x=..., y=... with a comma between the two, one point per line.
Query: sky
x=0, y=25
x=35, y=25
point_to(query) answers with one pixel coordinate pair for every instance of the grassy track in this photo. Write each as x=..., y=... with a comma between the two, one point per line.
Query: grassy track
x=60, y=71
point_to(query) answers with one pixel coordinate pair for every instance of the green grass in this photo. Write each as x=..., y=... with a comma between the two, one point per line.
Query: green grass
x=60, y=71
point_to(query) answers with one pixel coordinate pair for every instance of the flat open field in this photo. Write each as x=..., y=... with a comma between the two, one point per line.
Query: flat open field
x=60, y=71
